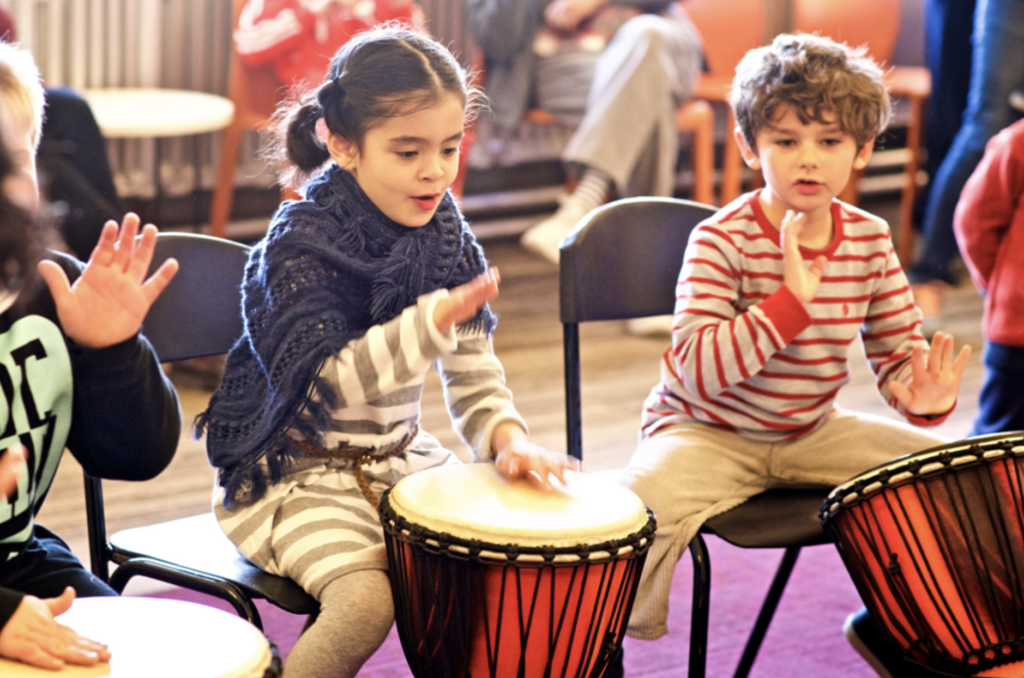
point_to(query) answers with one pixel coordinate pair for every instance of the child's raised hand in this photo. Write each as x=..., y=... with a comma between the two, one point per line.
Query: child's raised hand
x=108, y=302
x=517, y=457
x=34, y=637
x=464, y=301
x=934, y=384
x=802, y=281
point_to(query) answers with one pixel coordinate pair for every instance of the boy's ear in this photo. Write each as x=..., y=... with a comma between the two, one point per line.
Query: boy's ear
x=749, y=156
x=860, y=161
x=343, y=151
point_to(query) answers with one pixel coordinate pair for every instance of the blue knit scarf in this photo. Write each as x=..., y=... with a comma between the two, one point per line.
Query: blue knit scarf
x=330, y=267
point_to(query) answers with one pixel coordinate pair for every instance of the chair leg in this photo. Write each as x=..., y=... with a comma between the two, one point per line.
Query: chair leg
x=905, y=241
x=223, y=192
x=698, y=118
x=764, y=617
x=700, y=608
x=99, y=552
x=732, y=164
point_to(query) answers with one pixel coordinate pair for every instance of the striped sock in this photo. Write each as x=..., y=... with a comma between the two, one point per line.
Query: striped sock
x=591, y=191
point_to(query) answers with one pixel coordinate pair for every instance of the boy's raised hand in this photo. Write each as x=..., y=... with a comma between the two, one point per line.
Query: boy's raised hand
x=108, y=302
x=464, y=301
x=934, y=383
x=802, y=281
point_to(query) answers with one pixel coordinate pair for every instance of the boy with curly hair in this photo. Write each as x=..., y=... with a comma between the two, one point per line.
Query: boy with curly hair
x=772, y=292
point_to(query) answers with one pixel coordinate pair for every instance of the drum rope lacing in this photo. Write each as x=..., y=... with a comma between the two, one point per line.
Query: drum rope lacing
x=975, y=524
x=363, y=457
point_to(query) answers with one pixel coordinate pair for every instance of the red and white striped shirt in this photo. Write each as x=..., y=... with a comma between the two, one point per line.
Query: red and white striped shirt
x=748, y=356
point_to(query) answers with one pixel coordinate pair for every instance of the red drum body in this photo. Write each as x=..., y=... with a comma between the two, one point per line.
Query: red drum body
x=934, y=542
x=498, y=579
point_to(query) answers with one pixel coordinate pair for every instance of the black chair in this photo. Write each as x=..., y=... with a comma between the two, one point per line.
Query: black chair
x=623, y=262
x=199, y=314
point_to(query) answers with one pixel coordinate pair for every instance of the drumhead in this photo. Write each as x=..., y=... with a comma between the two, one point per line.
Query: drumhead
x=160, y=638
x=907, y=468
x=475, y=501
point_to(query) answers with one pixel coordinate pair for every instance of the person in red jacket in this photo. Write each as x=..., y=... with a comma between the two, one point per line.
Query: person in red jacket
x=299, y=37
x=989, y=227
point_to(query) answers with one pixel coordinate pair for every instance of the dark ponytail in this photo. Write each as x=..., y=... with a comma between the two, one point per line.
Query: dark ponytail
x=385, y=72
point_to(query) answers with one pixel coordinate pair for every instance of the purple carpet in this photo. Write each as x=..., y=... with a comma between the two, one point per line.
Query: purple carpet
x=805, y=638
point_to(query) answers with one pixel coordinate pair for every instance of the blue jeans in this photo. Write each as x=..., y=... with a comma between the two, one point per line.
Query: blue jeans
x=1001, y=400
x=997, y=69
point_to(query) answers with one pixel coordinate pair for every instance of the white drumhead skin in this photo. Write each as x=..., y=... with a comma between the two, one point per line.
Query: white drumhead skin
x=475, y=501
x=159, y=638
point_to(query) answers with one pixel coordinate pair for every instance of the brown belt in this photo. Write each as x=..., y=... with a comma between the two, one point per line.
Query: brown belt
x=363, y=457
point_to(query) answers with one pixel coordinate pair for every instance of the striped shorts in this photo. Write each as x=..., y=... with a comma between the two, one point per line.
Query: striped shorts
x=315, y=525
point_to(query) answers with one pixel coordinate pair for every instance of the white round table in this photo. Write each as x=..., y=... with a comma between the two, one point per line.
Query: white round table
x=159, y=638
x=151, y=113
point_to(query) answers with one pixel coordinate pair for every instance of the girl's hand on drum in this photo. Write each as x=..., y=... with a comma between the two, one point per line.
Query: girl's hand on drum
x=464, y=301
x=935, y=382
x=517, y=457
x=33, y=636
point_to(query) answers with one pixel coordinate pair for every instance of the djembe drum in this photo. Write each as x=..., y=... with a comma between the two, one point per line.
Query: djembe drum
x=934, y=542
x=497, y=578
x=158, y=638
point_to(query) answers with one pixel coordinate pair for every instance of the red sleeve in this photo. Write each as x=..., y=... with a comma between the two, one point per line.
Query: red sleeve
x=7, y=30
x=269, y=30
x=988, y=202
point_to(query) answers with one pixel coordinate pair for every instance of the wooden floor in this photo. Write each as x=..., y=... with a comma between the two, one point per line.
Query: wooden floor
x=618, y=371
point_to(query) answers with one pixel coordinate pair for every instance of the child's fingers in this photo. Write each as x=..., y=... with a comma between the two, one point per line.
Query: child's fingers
x=56, y=280
x=936, y=351
x=817, y=268
x=900, y=392
x=104, y=250
x=126, y=242
x=143, y=254
x=917, y=360
x=961, y=361
x=157, y=283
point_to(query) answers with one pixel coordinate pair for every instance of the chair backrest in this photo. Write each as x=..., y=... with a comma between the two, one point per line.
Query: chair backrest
x=199, y=313
x=872, y=23
x=622, y=261
x=728, y=29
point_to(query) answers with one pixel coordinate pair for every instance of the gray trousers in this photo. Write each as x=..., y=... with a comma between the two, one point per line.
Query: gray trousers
x=622, y=101
x=688, y=474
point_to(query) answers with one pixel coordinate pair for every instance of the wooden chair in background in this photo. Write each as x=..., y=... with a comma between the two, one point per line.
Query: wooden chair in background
x=255, y=91
x=697, y=118
x=876, y=24
x=729, y=29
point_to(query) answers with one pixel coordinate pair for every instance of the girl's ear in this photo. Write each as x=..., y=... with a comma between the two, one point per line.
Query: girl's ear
x=749, y=156
x=342, y=150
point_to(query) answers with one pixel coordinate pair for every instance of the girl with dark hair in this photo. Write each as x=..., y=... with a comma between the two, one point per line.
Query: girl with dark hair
x=355, y=292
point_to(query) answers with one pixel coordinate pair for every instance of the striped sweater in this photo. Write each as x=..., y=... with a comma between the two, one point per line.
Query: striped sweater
x=748, y=356
x=378, y=380
x=315, y=524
